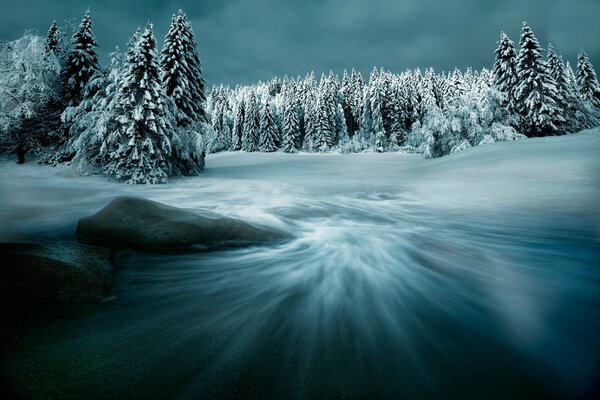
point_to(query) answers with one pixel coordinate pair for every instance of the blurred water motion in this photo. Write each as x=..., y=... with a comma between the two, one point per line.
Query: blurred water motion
x=378, y=297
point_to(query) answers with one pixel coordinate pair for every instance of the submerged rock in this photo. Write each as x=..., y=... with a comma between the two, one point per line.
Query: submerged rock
x=63, y=272
x=152, y=226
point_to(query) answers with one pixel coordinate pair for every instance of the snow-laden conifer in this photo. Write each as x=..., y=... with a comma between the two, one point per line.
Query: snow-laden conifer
x=269, y=135
x=139, y=149
x=181, y=75
x=81, y=63
x=587, y=81
x=251, y=131
x=53, y=39
x=290, y=127
x=536, y=93
x=238, y=127
x=505, y=70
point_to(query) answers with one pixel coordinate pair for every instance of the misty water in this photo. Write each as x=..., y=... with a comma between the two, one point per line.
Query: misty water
x=398, y=284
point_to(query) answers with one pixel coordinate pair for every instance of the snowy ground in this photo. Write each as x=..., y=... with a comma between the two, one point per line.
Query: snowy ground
x=474, y=273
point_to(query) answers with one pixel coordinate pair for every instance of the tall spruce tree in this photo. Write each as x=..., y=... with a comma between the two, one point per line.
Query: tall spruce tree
x=377, y=127
x=311, y=125
x=250, y=134
x=81, y=63
x=324, y=132
x=587, y=81
x=568, y=99
x=356, y=101
x=181, y=74
x=139, y=149
x=269, y=135
x=536, y=94
x=53, y=39
x=505, y=70
x=290, y=127
x=222, y=139
x=238, y=127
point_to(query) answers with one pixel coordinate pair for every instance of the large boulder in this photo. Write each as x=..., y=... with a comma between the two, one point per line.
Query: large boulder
x=56, y=271
x=147, y=225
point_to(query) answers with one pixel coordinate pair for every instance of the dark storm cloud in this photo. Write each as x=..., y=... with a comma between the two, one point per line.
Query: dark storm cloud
x=241, y=41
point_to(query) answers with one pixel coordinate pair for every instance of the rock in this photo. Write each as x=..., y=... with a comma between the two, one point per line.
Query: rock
x=144, y=224
x=63, y=272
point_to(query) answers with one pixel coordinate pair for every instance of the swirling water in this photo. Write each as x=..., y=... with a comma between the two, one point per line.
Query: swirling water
x=380, y=295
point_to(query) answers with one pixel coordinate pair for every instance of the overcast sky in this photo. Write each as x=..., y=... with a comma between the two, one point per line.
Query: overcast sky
x=241, y=41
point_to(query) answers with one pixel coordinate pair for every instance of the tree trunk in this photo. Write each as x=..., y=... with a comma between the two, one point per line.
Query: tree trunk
x=20, y=155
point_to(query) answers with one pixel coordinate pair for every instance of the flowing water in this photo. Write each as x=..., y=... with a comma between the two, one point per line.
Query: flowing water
x=380, y=295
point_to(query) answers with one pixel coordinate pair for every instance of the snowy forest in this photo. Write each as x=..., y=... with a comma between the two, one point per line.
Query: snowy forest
x=146, y=116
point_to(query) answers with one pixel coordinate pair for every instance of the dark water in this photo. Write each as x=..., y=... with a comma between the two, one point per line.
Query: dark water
x=377, y=297
x=362, y=305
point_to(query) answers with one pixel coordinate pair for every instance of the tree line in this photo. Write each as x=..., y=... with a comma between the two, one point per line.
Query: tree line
x=146, y=115
x=524, y=95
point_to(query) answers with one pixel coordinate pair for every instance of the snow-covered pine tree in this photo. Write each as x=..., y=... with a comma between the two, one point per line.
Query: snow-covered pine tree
x=139, y=149
x=587, y=81
x=222, y=139
x=311, y=125
x=536, y=95
x=269, y=134
x=569, y=99
x=571, y=78
x=556, y=68
x=505, y=70
x=290, y=127
x=324, y=130
x=197, y=82
x=53, y=39
x=346, y=93
x=93, y=118
x=181, y=74
x=238, y=126
x=250, y=134
x=377, y=127
x=356, y=100
x=366, y=119
x=81, y=63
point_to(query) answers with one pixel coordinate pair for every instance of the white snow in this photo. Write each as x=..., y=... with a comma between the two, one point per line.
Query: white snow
x=545, y=174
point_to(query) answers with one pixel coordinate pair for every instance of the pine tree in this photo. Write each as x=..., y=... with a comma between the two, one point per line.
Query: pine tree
x=358, y=88
x=290, y=129
x=568, y=97
x=93, y=118
x=250, y=134
x=182, y=70
x=53, y=39
x=311, y=125
x=536, y=93
x=222, y=139
x=269, y=135
x=238, y=127
x=556, y=68
x=505, y=70
x=366, y=119
x=587, y=82
x=139, y=149
x=325, y=135
x=377, y=128
x=346, y=93
x=81, y=63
